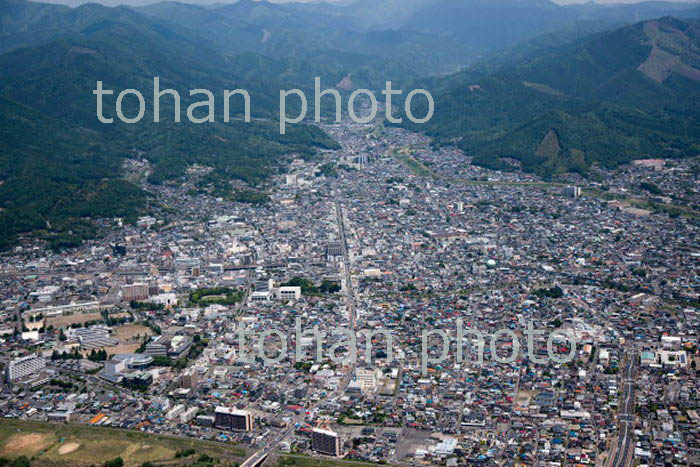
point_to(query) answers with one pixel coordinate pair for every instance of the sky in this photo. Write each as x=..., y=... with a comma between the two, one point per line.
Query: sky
x=207, y=2
x=562, y=2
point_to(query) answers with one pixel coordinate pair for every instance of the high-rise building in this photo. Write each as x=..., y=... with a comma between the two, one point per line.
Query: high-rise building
x=189, y=378
x=24, y=366
x=334, y=251
x=232, y=419
x=571, y=191
x=326, y=442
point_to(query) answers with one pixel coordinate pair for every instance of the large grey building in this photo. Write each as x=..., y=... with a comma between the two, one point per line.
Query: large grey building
x=232, y=419
x=326, y=442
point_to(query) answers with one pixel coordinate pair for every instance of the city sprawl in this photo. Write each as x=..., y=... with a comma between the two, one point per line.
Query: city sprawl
x=141, y=328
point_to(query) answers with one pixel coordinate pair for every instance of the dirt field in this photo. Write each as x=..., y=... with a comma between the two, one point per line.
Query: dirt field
x=83, y=446
x=65, y=321
x=121, y=348
x=35, y=325
x=129, y=332
x=524, y=397
x=68, y=448
x=130, y=338
x=20, y=444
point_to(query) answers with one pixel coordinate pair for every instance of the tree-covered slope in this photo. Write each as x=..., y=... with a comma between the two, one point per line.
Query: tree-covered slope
x=51, y=173
x=52, y=138
x=603, y=99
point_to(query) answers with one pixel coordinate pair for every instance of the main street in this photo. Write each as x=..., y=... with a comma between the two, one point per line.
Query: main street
x=260, y=456
x=624, y=442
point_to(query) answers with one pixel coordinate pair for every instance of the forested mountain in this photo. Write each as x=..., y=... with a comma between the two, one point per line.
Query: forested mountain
x=603, y=99
x=53, y=139
x=54, y=174
x=539, y=82
x=419, y=36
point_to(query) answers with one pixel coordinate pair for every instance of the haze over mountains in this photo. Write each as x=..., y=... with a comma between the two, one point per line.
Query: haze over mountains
x=334, y=2
x=554, y=87
x=605, y=99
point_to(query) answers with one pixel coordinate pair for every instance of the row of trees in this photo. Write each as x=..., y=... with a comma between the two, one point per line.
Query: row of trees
x=309, y=288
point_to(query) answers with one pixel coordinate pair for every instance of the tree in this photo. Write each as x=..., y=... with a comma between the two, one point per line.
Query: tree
x=21, y=461
x=329, y=287
x=307, y=287
x=117, y=462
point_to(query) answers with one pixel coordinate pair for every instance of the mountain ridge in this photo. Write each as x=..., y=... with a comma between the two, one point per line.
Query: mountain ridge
x=591, y=92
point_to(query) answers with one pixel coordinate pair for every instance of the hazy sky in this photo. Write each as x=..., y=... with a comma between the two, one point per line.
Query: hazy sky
x=206, y=2
x=563, y=2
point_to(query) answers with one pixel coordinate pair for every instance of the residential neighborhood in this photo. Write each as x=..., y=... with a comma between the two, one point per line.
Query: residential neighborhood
x=266, y=325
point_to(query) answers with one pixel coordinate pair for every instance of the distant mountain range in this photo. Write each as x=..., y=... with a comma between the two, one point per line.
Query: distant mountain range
x=604, y=99
x=553, y=87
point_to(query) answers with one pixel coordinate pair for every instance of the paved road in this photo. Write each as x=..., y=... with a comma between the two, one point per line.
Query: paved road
x=259, y=456
x=346, y=265
x=622, y=456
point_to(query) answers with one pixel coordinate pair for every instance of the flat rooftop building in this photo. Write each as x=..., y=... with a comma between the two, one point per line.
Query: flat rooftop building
x=326, y=442
x=232, y=419
x=24, y=366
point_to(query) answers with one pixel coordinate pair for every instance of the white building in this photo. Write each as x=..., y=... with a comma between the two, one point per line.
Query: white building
x=261, y=296
x=671, y=358
x=175, y=412
x=24, y=366
x=368, y=378
x=165, y=299
x=188, y=415
x=289, y=293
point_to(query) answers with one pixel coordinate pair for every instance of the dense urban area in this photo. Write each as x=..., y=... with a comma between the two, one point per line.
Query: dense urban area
x=197, y=322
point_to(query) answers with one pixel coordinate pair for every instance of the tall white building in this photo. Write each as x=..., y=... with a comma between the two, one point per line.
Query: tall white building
x=23, y=367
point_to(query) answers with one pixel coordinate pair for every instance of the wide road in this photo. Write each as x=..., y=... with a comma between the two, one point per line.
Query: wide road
x=260, y=456
x=622, y=456
x=346, y=265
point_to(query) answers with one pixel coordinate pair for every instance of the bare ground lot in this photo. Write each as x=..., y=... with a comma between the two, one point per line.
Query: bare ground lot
x=65, y=321
x=132, y=332
x=81, y=445
x=130, y=338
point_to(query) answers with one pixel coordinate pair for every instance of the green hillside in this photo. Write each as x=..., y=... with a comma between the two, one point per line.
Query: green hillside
x=605, y=99
x=53, y=139
x=52, y=175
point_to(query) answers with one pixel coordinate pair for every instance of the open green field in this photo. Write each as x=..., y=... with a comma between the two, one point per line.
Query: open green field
x=81, y=445
x=637, y=202
x=414, y=165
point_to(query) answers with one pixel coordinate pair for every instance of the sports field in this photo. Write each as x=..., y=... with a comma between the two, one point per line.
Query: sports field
x=80, y=445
